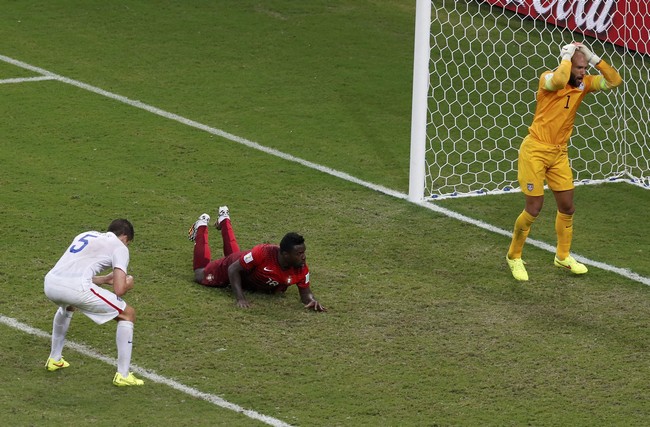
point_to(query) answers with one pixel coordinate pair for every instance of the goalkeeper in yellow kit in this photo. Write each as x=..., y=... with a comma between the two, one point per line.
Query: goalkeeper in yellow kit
x=543, y=152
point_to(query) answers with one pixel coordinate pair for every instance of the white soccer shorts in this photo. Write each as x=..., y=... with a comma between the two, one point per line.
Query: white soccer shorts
x=99, y=304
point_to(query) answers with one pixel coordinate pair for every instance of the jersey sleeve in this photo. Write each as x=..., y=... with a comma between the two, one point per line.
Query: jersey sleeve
x=609, y=78
x=251, y=259
x=304, y=282
x=121, y=258
x=556, y=80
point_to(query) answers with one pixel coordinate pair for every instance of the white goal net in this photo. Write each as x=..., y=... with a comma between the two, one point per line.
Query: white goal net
x=482, y=67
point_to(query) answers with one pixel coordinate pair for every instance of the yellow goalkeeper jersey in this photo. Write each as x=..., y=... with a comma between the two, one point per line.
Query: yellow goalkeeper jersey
x=558, y=102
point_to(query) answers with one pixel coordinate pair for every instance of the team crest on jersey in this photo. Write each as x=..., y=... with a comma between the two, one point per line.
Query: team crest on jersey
x=248, y=258
x=530, y=186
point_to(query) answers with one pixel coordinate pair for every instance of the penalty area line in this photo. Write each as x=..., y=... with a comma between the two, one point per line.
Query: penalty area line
x=152, y=376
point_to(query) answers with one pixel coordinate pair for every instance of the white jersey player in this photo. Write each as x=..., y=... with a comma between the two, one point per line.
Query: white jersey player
x=73, y=284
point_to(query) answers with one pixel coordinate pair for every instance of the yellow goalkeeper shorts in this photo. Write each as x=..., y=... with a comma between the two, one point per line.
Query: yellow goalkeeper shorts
x=538, y=162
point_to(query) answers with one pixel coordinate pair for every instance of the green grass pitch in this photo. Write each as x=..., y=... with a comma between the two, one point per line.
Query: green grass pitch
x=425, y=324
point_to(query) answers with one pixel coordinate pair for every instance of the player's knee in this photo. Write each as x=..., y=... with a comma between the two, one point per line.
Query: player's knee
x=534, y=209
x=567, y=210
x=198, y=275
x=128, y=314
x=534, y=205
x=566, y=207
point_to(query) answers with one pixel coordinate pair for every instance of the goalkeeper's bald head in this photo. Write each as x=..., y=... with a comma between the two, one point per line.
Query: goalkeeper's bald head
x=579, y=65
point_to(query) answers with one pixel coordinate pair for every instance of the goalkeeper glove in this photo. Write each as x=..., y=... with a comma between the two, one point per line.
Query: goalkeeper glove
x=589, y=55
x=567, y=52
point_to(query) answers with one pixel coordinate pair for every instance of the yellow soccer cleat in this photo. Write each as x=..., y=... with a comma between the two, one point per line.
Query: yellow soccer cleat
x=570, y=263
x=518, y=269
x=54, y=365
x=130, y=379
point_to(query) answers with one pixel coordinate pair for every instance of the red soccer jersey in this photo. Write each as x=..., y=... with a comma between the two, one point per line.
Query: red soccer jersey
x=263, y=272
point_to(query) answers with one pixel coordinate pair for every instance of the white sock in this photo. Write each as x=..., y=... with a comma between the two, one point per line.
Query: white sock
x=60, y=326
x=123, y=339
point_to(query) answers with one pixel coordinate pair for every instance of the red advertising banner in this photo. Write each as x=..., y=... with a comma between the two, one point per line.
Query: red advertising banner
x=622, y=22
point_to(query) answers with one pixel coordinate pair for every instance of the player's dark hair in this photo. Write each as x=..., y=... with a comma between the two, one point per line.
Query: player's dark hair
x=122, y=227
x=291, y=240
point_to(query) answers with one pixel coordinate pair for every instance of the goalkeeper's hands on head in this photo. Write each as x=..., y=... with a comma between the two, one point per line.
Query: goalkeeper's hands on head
x=567, y=51
x=589, y=55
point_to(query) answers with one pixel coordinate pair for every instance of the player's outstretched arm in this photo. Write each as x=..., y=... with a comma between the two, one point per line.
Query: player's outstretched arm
x=308, y=299
x=234, y=276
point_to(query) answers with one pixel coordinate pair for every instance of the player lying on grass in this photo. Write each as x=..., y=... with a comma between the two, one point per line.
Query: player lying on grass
x=73, y=284
x=267, y=268
x=543, y=153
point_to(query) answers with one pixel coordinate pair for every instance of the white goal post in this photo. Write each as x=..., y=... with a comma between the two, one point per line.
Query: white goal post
x=476, y=68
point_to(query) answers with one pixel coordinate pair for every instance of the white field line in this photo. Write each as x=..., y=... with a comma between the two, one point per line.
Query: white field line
x=218, y=132
x=26, y=79
x=206, y=128
x=152, y=376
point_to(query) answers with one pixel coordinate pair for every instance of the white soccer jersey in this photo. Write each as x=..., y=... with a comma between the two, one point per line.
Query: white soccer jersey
x=89, y=254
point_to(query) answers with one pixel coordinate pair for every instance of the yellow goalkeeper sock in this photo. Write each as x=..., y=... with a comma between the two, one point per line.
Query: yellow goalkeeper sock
x=564, y=230
x=520, y=233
